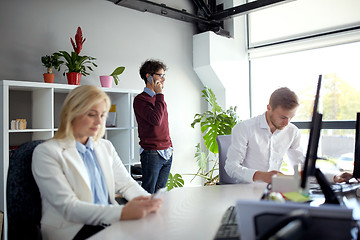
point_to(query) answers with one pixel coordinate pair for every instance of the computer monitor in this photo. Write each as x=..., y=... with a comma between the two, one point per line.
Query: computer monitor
x=356, y=171
x=311, y=154
x=315, y=128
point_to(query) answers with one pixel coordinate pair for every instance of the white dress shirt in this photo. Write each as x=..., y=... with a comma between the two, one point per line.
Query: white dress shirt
x=254, y=148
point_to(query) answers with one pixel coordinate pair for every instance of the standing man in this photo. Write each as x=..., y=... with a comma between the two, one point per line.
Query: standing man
x=152, y=117
x=260, y=143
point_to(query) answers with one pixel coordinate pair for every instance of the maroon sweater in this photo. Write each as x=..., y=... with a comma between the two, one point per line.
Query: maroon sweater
x=152, y=118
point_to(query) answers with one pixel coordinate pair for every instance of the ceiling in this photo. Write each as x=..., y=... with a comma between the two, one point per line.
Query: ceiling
x=209, y=15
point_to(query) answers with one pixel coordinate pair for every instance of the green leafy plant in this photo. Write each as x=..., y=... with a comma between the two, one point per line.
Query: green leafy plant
x=174, y=181
x=115, y=74
x=50, y=62
x=213, y=122
x=77, y=63
x=203, y=160
x=73, y=61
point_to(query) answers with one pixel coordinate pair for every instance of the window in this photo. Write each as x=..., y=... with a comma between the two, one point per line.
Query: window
x=299, y=71
x=340, y=91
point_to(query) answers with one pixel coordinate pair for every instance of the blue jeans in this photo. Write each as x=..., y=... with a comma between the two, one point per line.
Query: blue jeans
x=155, y=170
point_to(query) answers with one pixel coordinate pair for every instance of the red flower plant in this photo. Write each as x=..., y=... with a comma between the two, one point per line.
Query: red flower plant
x=73, y=61
x=79, y=41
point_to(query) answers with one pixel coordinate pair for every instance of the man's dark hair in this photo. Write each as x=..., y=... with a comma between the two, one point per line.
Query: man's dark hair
x=151, y=66
x=284, y=98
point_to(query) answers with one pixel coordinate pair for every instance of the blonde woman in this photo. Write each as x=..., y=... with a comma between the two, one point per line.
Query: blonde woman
x=78, y=173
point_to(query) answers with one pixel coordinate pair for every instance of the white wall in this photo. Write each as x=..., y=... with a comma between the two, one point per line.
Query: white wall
x=115, y=36
x=222, y=63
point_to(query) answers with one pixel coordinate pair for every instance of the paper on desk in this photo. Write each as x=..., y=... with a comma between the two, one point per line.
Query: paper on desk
x=296, y=197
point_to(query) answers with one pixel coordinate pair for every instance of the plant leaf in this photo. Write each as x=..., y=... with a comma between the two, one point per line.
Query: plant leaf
x=116, y=79
x=117, y=71
x=174, y=181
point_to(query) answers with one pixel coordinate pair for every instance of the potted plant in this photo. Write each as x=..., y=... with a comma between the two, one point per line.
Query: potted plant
x=76, y=64
x=213, y=123
x=49, y=62
x=106, y=80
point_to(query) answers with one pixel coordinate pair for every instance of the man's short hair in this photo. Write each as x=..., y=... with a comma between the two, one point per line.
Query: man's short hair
x=151, y=66
x=284, y=98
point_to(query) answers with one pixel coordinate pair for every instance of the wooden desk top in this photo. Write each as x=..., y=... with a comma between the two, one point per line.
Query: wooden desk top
x=187, y=213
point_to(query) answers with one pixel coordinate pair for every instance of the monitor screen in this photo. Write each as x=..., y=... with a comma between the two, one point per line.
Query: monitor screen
x=356, y=172
x=315, y=128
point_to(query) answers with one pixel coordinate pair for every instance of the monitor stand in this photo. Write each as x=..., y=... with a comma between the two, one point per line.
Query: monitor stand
x=330, y=196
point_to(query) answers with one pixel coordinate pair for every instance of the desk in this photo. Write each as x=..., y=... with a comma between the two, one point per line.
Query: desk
x=187, y=213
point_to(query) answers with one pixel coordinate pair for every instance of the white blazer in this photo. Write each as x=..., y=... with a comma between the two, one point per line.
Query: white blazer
x=63, y=181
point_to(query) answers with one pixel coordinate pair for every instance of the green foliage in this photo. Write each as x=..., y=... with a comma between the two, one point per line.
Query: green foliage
x=51, y=61
x=201, y=158
x=212, y=123
x=339, y=101
x=174, y=181
x=215, y=122
x=115, y=74
x=203, y=161
x=77, y=63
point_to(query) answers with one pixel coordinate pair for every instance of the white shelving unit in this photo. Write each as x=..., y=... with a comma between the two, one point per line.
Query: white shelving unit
x=40, y=104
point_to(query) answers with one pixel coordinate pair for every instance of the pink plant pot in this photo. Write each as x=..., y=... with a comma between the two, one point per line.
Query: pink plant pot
x=106, y=81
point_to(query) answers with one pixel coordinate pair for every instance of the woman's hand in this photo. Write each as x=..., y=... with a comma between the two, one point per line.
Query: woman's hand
x=140, y=207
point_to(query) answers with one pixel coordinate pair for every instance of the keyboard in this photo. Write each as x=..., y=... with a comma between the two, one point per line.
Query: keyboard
x=228, y=229
x=316, y=189
x=337, y=188
x=348, y=187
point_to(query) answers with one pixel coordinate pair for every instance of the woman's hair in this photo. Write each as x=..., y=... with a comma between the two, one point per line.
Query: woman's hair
x=284, y=98
x=77, y=103
x=151, y=66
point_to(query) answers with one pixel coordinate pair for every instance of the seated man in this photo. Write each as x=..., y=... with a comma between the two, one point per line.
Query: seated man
x=259, y=144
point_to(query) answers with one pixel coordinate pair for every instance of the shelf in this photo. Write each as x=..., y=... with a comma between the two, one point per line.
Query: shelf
x=40, y=104
x=30, y=130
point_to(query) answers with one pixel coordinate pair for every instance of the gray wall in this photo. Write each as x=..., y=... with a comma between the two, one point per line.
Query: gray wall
x=115, y=36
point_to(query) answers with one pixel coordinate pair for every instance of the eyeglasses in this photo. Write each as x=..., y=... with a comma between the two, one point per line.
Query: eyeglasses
x=160, y=75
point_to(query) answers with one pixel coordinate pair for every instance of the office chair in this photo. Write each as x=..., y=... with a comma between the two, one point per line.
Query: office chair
x=224, y=142
x=22, y=195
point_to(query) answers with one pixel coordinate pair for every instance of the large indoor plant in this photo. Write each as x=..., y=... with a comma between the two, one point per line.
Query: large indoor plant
x=76, y=64
x=213, y=122
x=50, y=62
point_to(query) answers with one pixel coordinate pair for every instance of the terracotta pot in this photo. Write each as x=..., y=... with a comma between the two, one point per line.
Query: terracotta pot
x=106, y=81
x=49, y=77
x=73, y=78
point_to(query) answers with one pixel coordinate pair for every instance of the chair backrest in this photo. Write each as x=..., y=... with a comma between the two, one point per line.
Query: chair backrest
x=224, y=142
x=22, y=195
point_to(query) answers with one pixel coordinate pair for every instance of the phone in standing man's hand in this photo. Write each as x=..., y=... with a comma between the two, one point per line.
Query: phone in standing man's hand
x=150, y=79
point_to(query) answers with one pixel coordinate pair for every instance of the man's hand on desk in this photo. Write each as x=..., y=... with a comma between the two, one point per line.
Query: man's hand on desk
x=140, y=207
x=344, y=177
x=264, y=176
